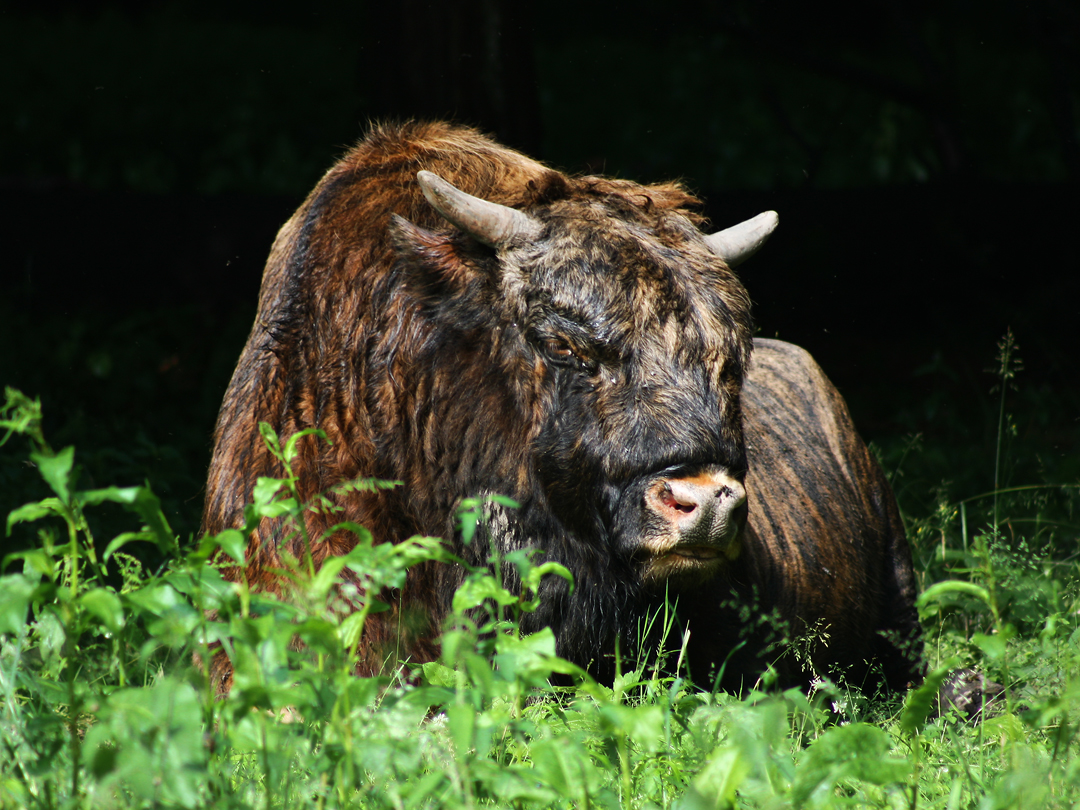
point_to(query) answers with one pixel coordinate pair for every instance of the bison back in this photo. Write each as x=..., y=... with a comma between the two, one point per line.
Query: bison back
x=824, y=584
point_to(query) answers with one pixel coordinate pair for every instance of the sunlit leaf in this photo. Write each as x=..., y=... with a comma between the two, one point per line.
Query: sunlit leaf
x=15, y=593
x=122, y=540
x=233, y=543
x=856, y=751
x=143, y=502
x=105, y=605
x=716, y=784
x=992, y=646
x=291, y=452
x=478, y=589
x=56, y=470
x=921, y=701
x=952, y=586
x=34, y=511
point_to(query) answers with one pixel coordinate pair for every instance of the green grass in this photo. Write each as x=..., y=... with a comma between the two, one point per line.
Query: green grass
x=102, y=611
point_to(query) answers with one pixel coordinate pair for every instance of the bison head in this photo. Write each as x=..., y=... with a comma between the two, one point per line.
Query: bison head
x=605, y=341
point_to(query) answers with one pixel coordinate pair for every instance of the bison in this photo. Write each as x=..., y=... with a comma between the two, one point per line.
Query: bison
x=467, y=321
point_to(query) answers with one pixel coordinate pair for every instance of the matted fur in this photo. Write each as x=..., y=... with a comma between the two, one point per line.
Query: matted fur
x=562, y=373
x=824, y=546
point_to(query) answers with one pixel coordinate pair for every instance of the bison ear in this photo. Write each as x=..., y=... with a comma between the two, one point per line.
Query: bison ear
x=739, y=242
x=435, y=251
x=493, y=224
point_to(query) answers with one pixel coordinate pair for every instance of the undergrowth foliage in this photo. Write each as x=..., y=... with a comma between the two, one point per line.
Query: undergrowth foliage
x=106, y=702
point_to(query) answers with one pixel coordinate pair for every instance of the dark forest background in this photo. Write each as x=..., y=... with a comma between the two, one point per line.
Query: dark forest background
x=923, y=157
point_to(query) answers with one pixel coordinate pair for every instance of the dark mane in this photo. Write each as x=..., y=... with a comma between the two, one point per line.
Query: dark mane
x=648, y=204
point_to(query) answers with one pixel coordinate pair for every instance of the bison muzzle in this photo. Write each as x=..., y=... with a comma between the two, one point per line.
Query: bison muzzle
x=465, y=320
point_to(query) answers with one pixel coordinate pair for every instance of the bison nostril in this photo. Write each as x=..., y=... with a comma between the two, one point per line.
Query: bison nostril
x=737, y=494
x=703, y=508
x=669, y=500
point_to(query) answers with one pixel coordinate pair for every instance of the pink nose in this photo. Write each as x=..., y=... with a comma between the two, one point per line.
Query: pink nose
x=701, y=510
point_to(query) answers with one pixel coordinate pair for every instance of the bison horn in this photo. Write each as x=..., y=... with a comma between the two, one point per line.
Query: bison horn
x=739, y=242
x=493, y=224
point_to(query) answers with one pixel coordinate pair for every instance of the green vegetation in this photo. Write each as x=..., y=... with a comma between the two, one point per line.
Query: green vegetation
x=103, y=706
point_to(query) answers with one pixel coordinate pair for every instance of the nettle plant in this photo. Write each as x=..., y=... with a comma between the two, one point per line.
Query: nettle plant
x=101, y=660
x=106, y=701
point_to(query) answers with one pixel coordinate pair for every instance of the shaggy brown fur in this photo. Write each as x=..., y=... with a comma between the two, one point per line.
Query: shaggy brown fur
x=824, y=548
x=567, y=373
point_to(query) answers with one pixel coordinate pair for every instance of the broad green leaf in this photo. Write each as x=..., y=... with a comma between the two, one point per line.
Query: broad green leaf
x=28, y=513
x=20, y=414
x=157, y=732
x=36, y=561
x=122, y=495
x=265, y=490
x=15, y=593
x=204, y=586
x=468, y=518
x=644, y=724
x=325, y=577
x=856, y=751
x=56, y=470
x=156, y=599
x=993, y=647
x=920, y=701
x=105, y=606
x=233, y=543
x=515, y=785
x=122, y=540
x=351, y=628
x=528, y=658
x=716, y=784
x=475, y=590
x=290, y=446
x=286, y=506
x=582, y=678
x=103, y=761
x=318, y=634
x=951, y=586
x=144, y=503
x=1005, y=726
x=270, y=438
x=481, y=674
x=540, y=644
x=563, y=764
x=51, y=636
x=537, y=573
x=438, y=674
x=461, y=720
x=363, y=536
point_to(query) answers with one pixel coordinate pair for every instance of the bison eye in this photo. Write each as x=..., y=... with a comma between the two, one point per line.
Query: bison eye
x=562, y=353
x=558, y=349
